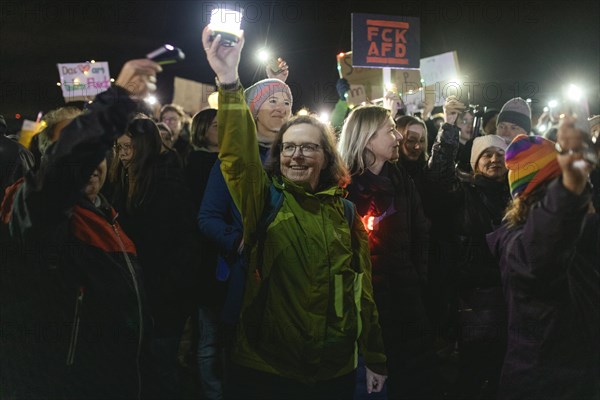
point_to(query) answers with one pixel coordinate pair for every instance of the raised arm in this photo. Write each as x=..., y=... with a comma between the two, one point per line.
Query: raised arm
x=240, y=160
x=47, y=198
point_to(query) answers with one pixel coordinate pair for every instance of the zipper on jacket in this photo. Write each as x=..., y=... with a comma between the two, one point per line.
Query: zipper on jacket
x=139, y=301
x=75, y=328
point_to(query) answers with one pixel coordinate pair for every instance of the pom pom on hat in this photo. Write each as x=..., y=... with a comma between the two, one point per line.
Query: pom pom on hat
x=258, y=93
x=481, y=143
x=531, y=161
x=516, y=111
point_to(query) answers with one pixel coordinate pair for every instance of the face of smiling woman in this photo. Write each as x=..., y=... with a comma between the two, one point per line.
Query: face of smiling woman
x=491, y=163
x=302, y=164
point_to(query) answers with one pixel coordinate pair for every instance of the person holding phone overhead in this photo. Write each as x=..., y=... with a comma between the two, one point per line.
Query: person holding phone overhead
x=308, y=303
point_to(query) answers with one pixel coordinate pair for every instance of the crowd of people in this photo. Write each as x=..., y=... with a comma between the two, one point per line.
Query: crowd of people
x=379, y=256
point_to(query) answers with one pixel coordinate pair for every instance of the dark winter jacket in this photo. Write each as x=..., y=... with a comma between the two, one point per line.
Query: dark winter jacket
x=15, y=162
x=550, y=277
x=162, y=226
x=468, y=208
x=74, y=303
x=197, y=172
x=398, y=240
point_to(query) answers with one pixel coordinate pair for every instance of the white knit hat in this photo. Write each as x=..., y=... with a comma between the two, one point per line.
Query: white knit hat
x=481, y=143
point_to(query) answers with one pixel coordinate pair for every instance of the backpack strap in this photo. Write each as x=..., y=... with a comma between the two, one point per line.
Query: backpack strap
x=273, y=204
x=349, y=212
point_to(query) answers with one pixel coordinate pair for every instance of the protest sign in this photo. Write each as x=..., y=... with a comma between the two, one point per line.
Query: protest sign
x=84, y=80
x=380, y=41
x=369, y=84
x=440, y=68
x=191, y=95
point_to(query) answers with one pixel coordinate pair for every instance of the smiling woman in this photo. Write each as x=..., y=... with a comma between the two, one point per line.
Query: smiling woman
x=308, y=302
x=467, y=208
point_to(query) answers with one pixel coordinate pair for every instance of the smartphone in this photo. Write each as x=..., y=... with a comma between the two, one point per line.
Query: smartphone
x=273, y=65
x=166, y=54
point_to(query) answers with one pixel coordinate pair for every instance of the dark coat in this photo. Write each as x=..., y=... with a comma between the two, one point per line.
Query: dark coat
x=551, y=284
x=74, y=305
x=398, y=242
x=197, y=172
x=15, y=162
x=162, y=226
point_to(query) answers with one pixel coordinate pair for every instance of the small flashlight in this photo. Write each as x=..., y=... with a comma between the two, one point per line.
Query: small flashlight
x=166, y=54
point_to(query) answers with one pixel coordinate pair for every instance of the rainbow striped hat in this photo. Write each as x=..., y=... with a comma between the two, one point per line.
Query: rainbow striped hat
x=531, y=161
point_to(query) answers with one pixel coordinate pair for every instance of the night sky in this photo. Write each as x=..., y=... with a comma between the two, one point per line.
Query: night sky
x=521, y=48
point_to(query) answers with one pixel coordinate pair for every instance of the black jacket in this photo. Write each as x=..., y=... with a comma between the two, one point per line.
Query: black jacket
x=163, y=227
x=15, y=162
x=74, y=297
x=398, y=241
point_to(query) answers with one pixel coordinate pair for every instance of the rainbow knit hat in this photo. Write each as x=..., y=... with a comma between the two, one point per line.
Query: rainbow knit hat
x=531, y=161
x=258, y=93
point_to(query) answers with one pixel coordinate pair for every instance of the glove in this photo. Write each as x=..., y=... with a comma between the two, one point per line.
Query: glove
x=343, y=87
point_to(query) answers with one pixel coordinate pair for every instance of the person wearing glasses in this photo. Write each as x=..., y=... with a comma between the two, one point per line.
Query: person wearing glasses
x=270, y=103
x=151, y=195
x=308, y=302
x=176, y=119
x=390, y=207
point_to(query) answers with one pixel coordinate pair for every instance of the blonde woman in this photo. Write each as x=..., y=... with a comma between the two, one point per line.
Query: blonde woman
x=390, y=207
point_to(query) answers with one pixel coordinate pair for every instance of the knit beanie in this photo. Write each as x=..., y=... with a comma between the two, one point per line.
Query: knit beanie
x=258, y=93
x=531, y=161
x=595, y=120
x=488, y=115
x=481, y=143
x=516, y=111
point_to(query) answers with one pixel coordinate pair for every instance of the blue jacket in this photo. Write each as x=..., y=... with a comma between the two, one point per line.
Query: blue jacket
x=220, y=220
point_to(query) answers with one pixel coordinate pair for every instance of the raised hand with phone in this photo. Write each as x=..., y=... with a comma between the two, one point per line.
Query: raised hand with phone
x=277, y=69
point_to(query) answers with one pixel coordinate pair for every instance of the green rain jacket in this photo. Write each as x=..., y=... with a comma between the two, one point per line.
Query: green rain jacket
x=309, y=307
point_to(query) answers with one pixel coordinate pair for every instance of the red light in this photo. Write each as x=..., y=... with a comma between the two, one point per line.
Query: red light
x=342, y=54
x=369, y=222
x=18, y=116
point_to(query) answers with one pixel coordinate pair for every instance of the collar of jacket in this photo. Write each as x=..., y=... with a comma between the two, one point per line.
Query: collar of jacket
x=105, y=209
x=303, y=189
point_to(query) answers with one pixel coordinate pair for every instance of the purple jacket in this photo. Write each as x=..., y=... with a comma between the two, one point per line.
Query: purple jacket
x=551, y=286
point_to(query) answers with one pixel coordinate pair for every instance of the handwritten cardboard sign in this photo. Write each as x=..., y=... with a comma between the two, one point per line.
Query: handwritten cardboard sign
x=191, y=95
x=84, y=80
x=369, y=84
x=380, y=41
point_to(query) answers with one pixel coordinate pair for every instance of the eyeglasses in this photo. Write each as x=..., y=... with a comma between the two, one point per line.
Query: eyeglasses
x=125, y=147
x=307, y=149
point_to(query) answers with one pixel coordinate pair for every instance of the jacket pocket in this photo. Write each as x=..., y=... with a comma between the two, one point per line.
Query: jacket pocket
x=348, y=292
x=75, y=328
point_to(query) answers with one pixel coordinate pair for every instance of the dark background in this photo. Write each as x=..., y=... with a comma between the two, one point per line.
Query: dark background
x=513, y=48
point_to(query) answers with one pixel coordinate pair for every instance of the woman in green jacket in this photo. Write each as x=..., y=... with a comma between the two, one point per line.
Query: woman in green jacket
x=308, y=304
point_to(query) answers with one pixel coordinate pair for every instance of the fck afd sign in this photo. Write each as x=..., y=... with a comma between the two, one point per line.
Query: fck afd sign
x=385, y=41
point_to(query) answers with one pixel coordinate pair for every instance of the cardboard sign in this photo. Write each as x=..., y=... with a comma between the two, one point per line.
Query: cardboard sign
x=84, y=80
x=440, y=68
x=191, y=95
x=368, y=84
x=380, y=41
